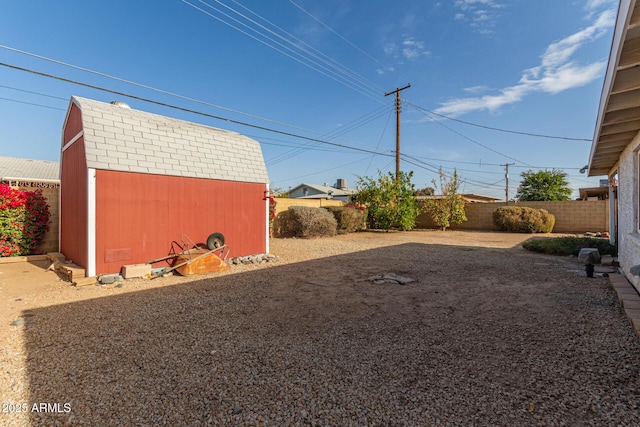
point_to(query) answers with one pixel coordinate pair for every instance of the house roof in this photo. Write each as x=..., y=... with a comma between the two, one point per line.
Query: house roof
x=618, y=119
x=28, y=169
x=324, y=189
x=123, y=139
x=593, y=192
x=469, y=197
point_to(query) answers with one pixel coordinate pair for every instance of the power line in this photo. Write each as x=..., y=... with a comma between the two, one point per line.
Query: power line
x=336, y=76
x=164, y=104
x=31, y=103
x=336, y=33
x=302, y=42
x=355, y=124
x=319, y=172
x=467, y=138
x=34, y=93
x=538, y=135
x=162, y=91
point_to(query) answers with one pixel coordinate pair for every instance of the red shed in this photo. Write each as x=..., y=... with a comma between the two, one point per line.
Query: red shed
x=132, y=182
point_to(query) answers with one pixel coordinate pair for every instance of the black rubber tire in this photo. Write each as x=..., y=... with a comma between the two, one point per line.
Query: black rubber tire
x=215, y=240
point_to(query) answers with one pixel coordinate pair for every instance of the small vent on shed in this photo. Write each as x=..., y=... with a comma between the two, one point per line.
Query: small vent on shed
x=121, y=104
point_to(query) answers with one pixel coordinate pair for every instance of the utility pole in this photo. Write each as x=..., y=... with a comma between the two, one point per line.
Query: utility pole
x=506, y=177
x=397, y=92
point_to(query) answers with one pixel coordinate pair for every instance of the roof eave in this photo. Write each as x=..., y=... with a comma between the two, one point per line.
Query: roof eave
x=625, y=9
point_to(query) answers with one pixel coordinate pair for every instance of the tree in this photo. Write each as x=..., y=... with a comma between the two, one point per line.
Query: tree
x=390, y=202
x=546, y=185
x=427, y=191
x=450, y=208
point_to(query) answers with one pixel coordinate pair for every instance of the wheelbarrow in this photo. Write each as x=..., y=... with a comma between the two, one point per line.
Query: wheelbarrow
x=196, y=260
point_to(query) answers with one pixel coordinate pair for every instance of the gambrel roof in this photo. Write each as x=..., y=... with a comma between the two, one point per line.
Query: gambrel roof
x=119, y=138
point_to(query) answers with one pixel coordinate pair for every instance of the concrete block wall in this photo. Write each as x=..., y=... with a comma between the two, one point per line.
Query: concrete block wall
x=283, y=203
x=572, y=216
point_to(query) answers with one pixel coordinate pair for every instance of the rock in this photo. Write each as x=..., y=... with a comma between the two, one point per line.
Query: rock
x=19, y=322
x=589, y=256
x=237, y=410
x=390, y=278
x=107, y=279
x=635, y=270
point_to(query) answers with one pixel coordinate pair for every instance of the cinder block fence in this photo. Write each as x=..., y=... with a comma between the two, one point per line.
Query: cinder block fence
x=572, y=216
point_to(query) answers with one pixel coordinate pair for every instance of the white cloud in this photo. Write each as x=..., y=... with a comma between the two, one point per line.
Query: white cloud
x=476, y=89
x=409, y=48
x=482, y=14
x=412, y=49
x=556, y=72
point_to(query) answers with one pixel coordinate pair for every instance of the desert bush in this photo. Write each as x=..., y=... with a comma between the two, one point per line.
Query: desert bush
x=517, y=219
x=450, y=207
x=390, y=201
x=309, y=222
x=570, y=245
x=24, y=220
x=348, y=219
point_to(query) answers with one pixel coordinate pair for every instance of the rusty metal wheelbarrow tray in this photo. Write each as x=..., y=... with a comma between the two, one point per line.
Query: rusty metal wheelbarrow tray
x=199, y=261
x=195, y=261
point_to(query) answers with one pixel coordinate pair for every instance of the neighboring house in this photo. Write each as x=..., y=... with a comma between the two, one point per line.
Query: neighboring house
x=616, y=143
x=314, y=191
x=29, y=173
x=594, y=193
x=468, y=197
x=133, y=182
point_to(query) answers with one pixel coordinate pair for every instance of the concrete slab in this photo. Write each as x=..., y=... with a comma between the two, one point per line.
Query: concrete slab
x=631, y=304
x=619, y=281
x=632, y=313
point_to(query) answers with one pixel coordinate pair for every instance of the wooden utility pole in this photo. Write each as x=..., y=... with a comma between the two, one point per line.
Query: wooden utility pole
x=397, y=92
x=506, y=177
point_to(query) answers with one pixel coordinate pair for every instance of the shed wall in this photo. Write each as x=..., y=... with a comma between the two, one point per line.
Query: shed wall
x=73, y=203
x=139, y=215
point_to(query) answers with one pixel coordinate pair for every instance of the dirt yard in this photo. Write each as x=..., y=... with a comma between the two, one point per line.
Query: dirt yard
x=488, y=334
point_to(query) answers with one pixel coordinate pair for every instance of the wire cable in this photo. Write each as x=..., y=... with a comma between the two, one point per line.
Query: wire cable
x=187, y=110
x=469, y=139
x=303, y=43
x=325, y=73
x=336, y=33
x=31, y=103
x=537, y=135
x=162, y=91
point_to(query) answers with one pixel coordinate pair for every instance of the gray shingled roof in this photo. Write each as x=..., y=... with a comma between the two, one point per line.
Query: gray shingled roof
x=26, y=169
x=122, y=139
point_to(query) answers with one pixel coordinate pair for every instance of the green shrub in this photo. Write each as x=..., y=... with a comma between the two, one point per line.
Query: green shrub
x=390, y=201
x=348, y=219
x=312, y=222
x=517, y=219
x=570, y=245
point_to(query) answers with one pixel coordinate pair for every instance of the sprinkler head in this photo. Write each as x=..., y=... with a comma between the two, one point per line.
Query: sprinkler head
x=589, y=268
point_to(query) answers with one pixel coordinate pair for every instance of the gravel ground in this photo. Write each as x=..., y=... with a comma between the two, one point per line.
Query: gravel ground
x=489, y=334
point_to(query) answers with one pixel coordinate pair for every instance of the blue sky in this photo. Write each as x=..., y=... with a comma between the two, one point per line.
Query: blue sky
x=320, y=69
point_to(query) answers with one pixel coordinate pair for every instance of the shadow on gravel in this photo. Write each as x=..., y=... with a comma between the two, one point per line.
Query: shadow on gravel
x=482, y=338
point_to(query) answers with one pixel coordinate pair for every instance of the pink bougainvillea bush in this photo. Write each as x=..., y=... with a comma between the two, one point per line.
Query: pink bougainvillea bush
x=24, y=220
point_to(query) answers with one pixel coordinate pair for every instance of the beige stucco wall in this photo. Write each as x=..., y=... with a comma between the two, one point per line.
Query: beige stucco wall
x=628, y=199
x=571, y=216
